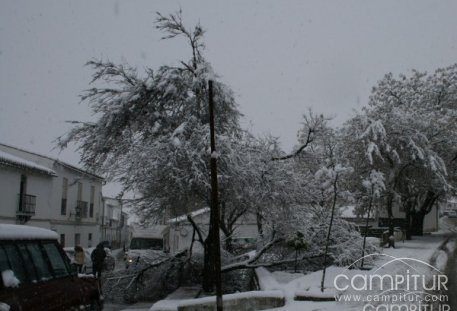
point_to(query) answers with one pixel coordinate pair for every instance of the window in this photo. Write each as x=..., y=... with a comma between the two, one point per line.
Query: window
x=59, y=266
x=63, y=204
x=92, y=200
x=62, y=240
x=41, y=266
x=24, y=199
x=77, y=239
x=80, y=191
x=90, y=237
x=15, y=262
x=146, y=243
x=26, y=260
x=23, y=185
x=4, y=265
x=28, y=263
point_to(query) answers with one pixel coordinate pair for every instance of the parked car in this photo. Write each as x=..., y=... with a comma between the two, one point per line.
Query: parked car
x=87, y=267
x=36, y=275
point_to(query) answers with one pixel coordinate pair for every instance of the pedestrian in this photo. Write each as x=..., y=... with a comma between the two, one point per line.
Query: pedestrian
x=79, y=258
x=98, y=258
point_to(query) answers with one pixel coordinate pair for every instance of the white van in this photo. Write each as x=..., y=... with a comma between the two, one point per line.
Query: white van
x=147, y=245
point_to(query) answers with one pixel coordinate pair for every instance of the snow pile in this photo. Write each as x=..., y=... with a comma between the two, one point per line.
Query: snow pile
x=304, y=285
x=9, y=279
x=4, y=307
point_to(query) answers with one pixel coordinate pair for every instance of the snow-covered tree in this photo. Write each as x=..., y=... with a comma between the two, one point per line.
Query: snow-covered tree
x=408, y=132
x=151, y=130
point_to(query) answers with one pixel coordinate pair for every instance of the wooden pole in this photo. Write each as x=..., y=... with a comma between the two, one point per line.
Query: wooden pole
x=216, y=251
x=366, y=226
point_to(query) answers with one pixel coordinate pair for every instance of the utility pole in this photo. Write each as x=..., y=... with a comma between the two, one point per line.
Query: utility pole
x=366, y=225
x=216, y=251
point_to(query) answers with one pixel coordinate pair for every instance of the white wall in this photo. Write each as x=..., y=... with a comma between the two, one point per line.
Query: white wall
x=181, y=233
x=48, y=191
x=39, y=185
x=9, y=189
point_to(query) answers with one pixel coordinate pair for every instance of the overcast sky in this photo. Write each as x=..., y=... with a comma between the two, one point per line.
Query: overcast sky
x=280, y=57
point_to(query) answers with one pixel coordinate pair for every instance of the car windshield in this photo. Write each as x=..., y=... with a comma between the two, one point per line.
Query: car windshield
x=146, y=243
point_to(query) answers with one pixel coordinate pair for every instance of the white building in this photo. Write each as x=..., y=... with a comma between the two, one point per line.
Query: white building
x=114, y=226
x=181, y=231
x=40, y=191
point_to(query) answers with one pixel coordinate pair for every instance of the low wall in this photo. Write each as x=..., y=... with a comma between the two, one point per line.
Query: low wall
x=240, y=304
x=245, y=301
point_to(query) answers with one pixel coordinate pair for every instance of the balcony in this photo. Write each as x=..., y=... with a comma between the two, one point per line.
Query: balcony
x=81, y=209
x=26, y=206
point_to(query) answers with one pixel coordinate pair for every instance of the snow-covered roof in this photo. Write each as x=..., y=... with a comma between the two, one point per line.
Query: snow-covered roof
x=23, y=232
x=192, y=214
x=156, y=231
x=69, y=166
x=15, y=161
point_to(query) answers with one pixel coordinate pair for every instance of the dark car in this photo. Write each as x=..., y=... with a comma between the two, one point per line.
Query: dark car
x=36, y=275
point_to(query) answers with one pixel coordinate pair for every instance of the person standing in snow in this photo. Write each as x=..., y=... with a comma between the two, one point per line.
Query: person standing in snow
x=98, y=258
x=79, y=258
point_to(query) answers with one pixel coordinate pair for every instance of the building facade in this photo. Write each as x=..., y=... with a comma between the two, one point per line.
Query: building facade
x=40, y=191
x=114, y=228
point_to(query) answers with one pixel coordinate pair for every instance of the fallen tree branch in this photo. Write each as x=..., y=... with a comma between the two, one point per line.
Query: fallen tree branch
x=267, y=264
x=266, y=247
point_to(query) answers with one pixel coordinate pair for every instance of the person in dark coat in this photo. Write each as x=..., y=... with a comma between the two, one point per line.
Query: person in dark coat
x=98, y=258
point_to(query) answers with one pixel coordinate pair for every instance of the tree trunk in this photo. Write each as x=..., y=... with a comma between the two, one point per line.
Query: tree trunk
x=327, y=242
x=409, y=227
x=417, y=225
x=390, y=212
x=390, y=198
x=228, y=243
x=366, y=226
x=409, y=208
x=259, y=224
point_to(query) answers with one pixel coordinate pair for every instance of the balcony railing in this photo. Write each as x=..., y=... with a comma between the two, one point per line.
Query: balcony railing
x=81, y=209
x=27, y=204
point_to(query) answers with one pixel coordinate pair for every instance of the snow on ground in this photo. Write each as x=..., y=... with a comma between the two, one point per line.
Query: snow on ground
x=406, y=256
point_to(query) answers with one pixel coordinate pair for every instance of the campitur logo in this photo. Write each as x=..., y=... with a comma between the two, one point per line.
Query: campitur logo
x=400, y=284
